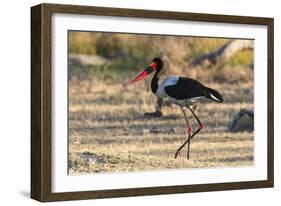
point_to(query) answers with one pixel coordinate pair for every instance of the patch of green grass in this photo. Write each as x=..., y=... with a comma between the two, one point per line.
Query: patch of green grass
x=82, y=43
x=241, y=58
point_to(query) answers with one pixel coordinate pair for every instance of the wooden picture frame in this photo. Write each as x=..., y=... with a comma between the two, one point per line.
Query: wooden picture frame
x=41, y=98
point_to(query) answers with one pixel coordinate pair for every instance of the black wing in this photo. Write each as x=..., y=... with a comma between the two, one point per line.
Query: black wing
x=186, y=88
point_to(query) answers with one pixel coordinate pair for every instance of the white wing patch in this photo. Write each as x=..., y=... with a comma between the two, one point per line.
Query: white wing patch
x=214, y=97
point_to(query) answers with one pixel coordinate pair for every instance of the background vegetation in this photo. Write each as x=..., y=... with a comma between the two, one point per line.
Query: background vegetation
x=126, y=54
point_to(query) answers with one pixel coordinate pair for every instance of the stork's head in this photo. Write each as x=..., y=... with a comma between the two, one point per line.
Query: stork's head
x=155, y=66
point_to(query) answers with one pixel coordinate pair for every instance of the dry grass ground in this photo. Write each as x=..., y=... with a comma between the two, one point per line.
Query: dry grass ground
x=109, y=133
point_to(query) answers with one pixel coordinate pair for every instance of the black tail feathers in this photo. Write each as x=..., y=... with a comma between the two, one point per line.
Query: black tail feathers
x=214, y=95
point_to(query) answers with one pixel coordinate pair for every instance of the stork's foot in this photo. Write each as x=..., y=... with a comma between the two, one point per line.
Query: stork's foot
x=176, y=155
x=155, y=114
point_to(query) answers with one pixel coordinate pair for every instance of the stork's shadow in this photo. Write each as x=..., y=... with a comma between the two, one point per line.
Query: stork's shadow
x=24, y=193
x=113, y=118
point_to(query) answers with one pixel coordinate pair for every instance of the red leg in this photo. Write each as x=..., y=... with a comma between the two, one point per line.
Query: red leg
x=201, y=126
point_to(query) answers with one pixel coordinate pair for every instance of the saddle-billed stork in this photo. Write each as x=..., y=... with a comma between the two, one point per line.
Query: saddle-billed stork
x=182, y=91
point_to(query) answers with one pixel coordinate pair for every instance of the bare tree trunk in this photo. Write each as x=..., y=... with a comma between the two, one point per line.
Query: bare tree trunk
x=224, y=52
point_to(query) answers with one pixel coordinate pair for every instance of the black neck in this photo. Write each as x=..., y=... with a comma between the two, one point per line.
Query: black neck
x=154, y=82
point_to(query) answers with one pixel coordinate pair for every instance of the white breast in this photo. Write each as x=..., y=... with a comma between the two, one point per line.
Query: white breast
x=170, y=80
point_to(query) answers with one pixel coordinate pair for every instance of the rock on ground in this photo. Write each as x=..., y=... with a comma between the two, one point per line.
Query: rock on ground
x=242, y=121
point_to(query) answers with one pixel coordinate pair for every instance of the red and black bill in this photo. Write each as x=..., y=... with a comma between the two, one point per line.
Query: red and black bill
x=145, y=73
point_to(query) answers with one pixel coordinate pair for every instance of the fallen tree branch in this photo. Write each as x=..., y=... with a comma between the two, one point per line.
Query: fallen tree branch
x=224, y=52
